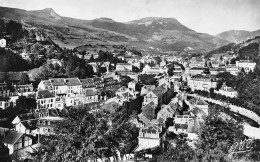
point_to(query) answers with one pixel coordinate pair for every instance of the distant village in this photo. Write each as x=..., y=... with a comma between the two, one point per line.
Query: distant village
x=165, y=105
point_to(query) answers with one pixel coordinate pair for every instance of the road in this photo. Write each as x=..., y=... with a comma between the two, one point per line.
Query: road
x=248, y=130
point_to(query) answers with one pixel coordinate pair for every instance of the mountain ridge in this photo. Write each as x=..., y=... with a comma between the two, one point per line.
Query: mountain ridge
x=165, y=34
x=238, y=36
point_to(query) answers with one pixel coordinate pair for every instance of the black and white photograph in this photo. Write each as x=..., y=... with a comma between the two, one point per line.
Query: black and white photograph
x=129, y=80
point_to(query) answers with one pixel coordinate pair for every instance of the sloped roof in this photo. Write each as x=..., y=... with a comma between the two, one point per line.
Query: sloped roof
x=87, y=80
x=12, y=137
x=143, y=119
x=149, y=105
x=30, y=124
x=57, y=81
x=44, y=94
x=151, y=129
x=228, y=89
x=72, y=81
x=27, y=116
x=91, y=92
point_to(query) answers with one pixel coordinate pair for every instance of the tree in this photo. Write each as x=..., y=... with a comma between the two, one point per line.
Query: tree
x=84, y=136
x=25, y=103
x=181, y=152
x=24, y=79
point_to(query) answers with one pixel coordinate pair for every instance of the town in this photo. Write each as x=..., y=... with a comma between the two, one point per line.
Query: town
x=121, y=103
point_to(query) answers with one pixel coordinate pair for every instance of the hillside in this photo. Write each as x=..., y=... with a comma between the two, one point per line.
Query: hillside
x=163, y=34
x=237, y=36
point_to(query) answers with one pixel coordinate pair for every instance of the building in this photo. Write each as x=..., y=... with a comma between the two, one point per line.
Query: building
x=124, y=67
x=62, y=87
x=25, y=123
x=157, y=96
x=4, y=91
x=45, y=99
x=181, y=124
x=24, y=90
x=232, y=69
x=149, y=137
x=154, y=70
x=196, y=70
x=167, y=111
x=91, y=95
x=2, y=43
x=227, y=91
x=147, y=88
x=202, y=82
x=16, y=141
x=25, y=55
x=247, y=65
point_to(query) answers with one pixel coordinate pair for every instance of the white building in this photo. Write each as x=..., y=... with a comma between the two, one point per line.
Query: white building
x=154, y=70
x=227, y=91
x=2, y=43
x=202, y=82
x=247, y=65
x=149, y=137
x=45, y=99
x=124, y=67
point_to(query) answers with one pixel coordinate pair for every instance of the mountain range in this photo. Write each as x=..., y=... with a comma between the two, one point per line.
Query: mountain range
x=150, y=33
x=237, y=36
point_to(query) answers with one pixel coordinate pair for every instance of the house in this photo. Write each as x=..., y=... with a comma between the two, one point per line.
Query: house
x=25, y=123
x=154, y=70
x=45, y=99
x=87, y=84
x=62, y=87
x=202, y=82
x=4, y=91
x=2, y=43
x=124, y=67
x=165, y=81
x=111, y=85
x=133, y=84
x=147, y=88
x=74, y=86
x=148, y=114
x=46, y=85
x=167, y=111
x=232, y=69
x=16, y=141
x=181, y=123
x=157, y=96
x=24, y=90
x=227, y=91
x=149, y=137
x=25, y=55
x=247, y=65
x=196, y=70
x=91, y=95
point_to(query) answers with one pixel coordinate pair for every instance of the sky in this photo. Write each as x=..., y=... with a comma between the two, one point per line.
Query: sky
x=206, y=16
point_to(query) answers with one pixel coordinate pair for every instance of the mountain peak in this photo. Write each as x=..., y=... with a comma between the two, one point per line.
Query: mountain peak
x=49, y=12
